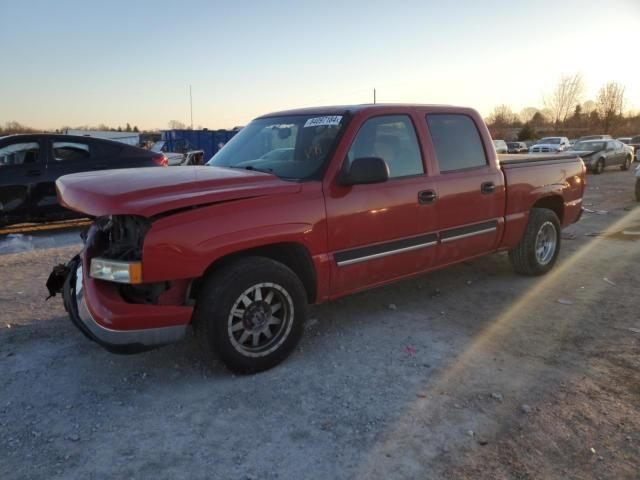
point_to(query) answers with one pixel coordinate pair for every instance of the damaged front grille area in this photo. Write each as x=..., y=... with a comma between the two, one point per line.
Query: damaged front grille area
x=121, y=238
x=118, y=237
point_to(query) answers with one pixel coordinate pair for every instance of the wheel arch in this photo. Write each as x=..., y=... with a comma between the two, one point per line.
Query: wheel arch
x=291, y=254
x=555, y=203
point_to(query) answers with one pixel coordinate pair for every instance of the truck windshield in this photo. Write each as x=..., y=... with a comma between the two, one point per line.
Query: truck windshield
x=292, y=147
x=550, y=140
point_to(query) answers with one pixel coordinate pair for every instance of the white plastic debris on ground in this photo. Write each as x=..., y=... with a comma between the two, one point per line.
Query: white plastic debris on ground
x=16, y=242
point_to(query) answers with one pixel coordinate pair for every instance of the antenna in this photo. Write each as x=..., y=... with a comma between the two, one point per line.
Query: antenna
x=374, y=96
x=191, y=106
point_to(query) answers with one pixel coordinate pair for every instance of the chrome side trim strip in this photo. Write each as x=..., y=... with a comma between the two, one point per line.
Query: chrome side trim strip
x=470, y=234
x=344, y=263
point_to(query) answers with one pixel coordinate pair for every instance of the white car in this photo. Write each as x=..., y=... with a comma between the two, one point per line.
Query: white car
x=550, y=145
x=500, y=146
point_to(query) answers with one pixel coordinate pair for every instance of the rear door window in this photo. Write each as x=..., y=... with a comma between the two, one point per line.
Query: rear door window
x=23, y=153
x=71, y=151
x=457, y=142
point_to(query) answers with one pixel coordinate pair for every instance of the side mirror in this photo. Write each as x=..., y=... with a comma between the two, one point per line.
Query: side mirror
x=365, y=170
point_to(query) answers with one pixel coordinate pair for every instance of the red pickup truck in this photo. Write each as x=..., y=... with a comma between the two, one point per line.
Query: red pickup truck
x=301, y=207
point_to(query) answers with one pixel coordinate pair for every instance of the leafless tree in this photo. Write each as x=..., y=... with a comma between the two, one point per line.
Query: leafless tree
x=527, y=113
x=16, y=127
x=502, y=115
x=565, y=97
x=588, y=106
x=610, y=104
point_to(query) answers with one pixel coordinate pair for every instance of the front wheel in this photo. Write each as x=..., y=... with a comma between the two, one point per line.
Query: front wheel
x=539, y=247
x=251, y=314
x=627, y=164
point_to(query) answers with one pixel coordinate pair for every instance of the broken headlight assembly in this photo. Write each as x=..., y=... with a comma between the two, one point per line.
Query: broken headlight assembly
x=117, y=245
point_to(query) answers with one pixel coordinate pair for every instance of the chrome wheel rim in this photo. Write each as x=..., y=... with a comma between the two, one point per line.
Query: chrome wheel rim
x=260, y=319
x=546, y=243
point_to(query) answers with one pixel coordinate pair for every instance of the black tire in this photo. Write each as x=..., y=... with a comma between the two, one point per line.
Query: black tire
x=220, y=303
x=626, y=164
x=525, y=258
x=599, y=168
x=637, y=189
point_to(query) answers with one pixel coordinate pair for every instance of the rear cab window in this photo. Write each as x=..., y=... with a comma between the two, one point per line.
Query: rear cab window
x=456, y=141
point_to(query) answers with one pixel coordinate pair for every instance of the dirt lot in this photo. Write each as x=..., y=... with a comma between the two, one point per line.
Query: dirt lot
x=471, y=372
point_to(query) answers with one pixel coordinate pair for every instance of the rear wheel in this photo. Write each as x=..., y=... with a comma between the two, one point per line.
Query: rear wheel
x=250, y=314
x=626, y=164
x=539, y=247
x=599, y=168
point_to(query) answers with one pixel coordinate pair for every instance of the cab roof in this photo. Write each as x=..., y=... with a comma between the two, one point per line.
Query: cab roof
x=344, y=109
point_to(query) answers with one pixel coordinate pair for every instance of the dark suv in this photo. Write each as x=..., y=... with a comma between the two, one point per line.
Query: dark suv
x=30, y=165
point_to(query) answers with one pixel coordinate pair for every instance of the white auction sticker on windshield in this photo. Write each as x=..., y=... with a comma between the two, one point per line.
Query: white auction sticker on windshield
x=322, y=121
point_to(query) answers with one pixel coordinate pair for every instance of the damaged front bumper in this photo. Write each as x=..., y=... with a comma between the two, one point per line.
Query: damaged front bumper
x=102, y=315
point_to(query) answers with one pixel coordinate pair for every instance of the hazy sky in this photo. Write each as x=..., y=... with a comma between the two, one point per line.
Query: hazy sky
x=80, y=62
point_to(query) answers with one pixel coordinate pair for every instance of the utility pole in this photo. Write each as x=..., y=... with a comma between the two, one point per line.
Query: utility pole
x=191, y=106
x=374, y=96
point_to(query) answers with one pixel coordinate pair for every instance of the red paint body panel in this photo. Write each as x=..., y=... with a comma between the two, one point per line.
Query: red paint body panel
x=239, y=210
x=529, y=184
x=150, y=191
x=109, y=310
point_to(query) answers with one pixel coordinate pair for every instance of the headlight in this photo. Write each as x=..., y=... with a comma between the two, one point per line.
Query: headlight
x=116, y=271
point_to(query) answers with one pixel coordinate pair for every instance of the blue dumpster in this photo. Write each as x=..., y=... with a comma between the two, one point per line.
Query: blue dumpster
x=181, y=141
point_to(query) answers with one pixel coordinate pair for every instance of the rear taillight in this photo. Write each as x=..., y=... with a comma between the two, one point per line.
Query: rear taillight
x=160, y=160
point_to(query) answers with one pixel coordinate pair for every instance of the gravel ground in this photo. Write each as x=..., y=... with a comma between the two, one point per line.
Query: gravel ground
x=469, y=372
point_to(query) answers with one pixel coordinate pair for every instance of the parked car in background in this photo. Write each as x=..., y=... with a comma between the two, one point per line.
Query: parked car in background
x=635, y=143
x=550, y=145
x=355, y=197
x=638, y=180
x=501, y=146
x=192, y=157
x=600, y=154
x=173, y=158
x=595, y=137
x=30, y=165
x=517, y=147
x=624, y=140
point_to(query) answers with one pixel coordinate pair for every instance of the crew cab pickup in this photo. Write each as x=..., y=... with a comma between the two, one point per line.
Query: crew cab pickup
x=302, y=207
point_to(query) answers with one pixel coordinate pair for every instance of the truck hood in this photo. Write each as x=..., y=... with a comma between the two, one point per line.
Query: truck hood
x=151, y=191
